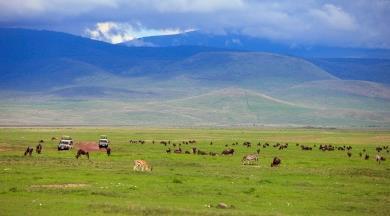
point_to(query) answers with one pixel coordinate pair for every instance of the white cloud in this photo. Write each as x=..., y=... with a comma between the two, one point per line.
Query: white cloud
x=334, y=17
x=114, y=32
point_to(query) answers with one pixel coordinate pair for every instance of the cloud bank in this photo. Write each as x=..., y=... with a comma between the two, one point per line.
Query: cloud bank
x=359, y=23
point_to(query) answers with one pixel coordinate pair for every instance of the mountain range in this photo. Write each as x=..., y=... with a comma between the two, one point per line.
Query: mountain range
x=190, y=79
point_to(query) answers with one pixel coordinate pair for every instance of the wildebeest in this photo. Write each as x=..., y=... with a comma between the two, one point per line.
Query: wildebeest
x=228, y=152
x=29, y=151
x=349, y=154
x=38, y=149
x=276, y=162
x=108, y=150
x=379, y=158
x=306, y=147
x=366, y=157
x=187, y=152
x=248, y=159
x=141, y=165
x=194, y=150
x=82, y=152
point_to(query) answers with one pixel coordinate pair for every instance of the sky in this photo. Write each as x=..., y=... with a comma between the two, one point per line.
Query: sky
x=351, y=23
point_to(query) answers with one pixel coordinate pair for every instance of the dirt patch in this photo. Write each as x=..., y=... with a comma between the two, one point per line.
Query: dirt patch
x=88, y=146
x=55, y=186
x=2, y=148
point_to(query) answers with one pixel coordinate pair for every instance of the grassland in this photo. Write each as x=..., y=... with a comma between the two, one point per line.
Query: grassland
x=307, y=182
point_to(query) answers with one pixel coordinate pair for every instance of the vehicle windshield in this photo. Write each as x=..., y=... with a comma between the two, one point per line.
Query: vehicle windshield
x=103, y=141
x=65, y=142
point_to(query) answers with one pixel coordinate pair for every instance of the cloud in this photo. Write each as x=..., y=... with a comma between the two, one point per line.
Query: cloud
x=334, y=17
x=335, y=22
x=114, y=32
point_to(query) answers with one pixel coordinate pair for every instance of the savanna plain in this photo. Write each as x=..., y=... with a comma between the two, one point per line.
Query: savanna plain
x=311, y=182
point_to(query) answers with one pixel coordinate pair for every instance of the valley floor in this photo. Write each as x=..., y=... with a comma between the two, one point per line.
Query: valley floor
x=306, y=183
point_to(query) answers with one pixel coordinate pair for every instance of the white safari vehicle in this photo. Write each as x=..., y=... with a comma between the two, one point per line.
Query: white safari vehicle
x=66, y=143
x=103, y=141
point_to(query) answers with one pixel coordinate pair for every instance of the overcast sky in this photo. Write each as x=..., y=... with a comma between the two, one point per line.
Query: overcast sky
x=359, y=23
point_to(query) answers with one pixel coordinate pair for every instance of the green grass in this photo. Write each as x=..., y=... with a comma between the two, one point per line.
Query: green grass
x=307, y=182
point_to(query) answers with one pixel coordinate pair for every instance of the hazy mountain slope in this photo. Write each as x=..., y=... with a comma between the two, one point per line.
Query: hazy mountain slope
x=248, y=69
x=242, y=42
x=55, y=78
x=224, y=107
x=339, y=94
x=376, y=70
x=30, y=59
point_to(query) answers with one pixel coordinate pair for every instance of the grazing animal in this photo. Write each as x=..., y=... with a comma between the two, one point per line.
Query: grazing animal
x=349, y=154
x=378, y=149
x=276, y=162
x=194, y=150
x=38, y=149
x=379, y=158
x=366, y=157
x=82, y=152
x=168, y=150
x=187, y=152
x=228, y=152
x=306, y=148
x=141, y=165
x=108, y=150
x=29, y=151
x=258, y=151
x=248, y=159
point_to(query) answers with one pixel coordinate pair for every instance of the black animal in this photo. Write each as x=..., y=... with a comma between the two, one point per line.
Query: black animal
x=38, y=149
x=366, y=157
x=349, y=154
x=305, y=148
x=108, y=150
x=168, y=150
x=29, y=151
x=187, y=152
x=228, y=152
x=82, y=152
x=276, y=162
x=194, y=150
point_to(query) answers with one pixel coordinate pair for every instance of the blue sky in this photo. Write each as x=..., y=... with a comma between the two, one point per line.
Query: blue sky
x=358, y=23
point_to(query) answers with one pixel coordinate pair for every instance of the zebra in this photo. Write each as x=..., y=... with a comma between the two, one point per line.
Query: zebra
x=247, y=159
x=141, y=165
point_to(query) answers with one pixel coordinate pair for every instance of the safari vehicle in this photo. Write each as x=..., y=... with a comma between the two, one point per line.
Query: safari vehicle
x=66, y=143
x=103, y=141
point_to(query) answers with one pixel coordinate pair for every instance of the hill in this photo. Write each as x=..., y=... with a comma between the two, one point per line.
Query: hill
x=55, y=78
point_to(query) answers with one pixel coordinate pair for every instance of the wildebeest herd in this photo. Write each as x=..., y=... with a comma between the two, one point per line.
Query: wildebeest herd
x=248, y=159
